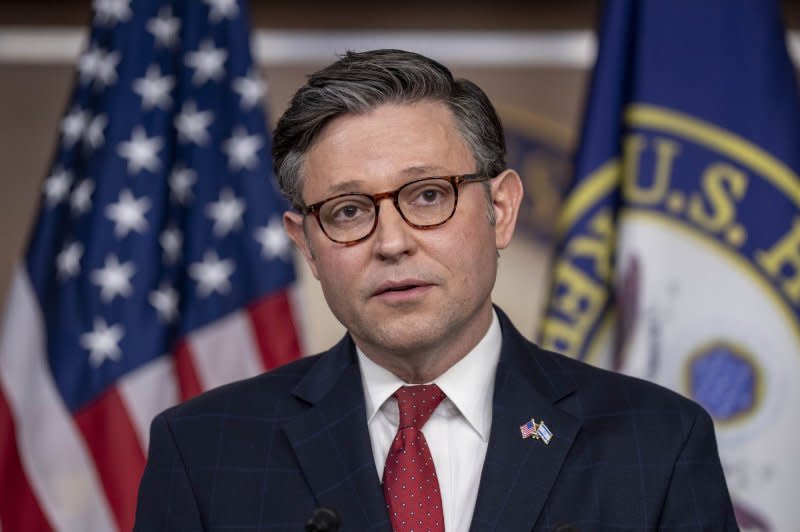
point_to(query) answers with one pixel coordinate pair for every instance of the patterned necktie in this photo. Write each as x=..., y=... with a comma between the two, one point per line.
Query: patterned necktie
x=410, y=486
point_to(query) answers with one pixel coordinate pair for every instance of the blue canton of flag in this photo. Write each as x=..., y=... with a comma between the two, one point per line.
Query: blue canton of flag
x=158, y=266
x=679, y=253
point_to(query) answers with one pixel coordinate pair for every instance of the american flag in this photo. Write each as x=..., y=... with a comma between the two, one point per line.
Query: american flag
x=157, y=268
x=529, y=429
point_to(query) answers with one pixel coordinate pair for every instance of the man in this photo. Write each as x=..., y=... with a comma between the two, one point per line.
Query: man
x=402, y=199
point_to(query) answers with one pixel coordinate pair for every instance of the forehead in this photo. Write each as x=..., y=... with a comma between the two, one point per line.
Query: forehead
x=385, y=147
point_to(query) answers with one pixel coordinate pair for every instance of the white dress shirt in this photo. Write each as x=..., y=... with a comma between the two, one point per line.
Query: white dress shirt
x=458, y=431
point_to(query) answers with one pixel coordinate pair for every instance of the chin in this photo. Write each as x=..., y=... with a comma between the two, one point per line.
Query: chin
x=409, y=332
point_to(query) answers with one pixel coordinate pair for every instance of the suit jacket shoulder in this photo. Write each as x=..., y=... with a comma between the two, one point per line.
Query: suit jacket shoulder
x=247, y=396
x=263, y=453
x=617, y=390
x=625, y=453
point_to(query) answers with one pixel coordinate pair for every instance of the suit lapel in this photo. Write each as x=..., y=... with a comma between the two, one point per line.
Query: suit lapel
x=518, y=473
x=332, y=444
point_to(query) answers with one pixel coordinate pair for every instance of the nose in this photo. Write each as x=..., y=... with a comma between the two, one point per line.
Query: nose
x=393, y=236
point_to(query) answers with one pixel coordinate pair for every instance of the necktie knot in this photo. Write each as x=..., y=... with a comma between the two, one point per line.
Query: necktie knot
x=417, y=403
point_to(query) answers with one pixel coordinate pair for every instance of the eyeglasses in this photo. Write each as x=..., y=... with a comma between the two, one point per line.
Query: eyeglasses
x=423, y=204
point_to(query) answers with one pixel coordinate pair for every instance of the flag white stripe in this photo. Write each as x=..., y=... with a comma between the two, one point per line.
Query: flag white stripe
x=298, y=309
x=225, y=351
x=147, y=391
x=53, y=454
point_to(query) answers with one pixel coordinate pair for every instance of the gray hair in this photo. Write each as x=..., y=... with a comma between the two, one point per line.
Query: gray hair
x=359, y=82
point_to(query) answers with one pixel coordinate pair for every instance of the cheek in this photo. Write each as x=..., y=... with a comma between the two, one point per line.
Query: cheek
x=468, y=252
x=332, y=270
x=338, y=272
x=338, y=289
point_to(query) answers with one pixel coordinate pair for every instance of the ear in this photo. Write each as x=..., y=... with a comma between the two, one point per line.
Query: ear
x=507, y=194
x=293, y=224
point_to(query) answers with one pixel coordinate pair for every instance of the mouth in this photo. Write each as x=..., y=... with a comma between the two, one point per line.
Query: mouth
x=403, y=289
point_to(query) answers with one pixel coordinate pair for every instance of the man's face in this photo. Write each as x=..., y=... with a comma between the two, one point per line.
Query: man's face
x=403, y=291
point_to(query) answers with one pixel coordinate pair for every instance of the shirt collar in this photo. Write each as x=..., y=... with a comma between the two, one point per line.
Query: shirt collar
x=468, y=384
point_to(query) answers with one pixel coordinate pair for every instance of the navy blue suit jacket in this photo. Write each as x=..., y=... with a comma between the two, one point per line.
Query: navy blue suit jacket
x=262, y=454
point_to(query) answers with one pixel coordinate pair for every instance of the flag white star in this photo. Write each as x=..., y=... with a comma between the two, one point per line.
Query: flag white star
x=171, y=241
x=88, y=63
x=73, y=125
x=212, y=274
x=105, y=72
x=141, y=151
x=128, y=214
x=208, y=62
x=68, y=261
x=226, y=213
x=273, y=239
x=102, y=342
x=251, y=89
x=56, y=187
x=220, y=9
x=165, y=301
x=114, y=279
x=110, y=12
x=164, y=28
x=93, y=136
x=242, y=148
x=154, y=88
x=180, y=184
x=81, y=198
x=192, y=124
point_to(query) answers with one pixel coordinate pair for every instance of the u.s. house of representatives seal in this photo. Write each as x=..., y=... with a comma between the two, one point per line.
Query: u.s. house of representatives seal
x=697, y=229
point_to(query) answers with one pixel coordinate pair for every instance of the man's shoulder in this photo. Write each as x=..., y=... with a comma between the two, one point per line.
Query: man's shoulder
x=251, y=396
x=623, y=414
x=597, y=391
x=609, y=391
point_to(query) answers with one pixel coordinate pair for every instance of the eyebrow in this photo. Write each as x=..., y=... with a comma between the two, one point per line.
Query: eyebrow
x=357, y=185
x=351, y=185
x=423, y=171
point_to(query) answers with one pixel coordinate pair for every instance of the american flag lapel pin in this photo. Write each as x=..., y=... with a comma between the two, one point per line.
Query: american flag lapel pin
x=537, y=431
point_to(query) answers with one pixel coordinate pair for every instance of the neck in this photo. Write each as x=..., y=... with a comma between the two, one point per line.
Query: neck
x=416, y=371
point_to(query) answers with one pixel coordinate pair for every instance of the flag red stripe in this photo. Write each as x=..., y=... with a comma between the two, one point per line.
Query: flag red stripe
x=274, y=329
x=119, y=459
x=188, y=381
x=19, y=508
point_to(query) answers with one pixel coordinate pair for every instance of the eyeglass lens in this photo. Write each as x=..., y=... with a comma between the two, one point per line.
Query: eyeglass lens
x=427, y=202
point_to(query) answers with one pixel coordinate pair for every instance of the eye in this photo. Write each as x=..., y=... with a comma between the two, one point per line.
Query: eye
x=427, y=193
x=430, y=195
x=347, y=210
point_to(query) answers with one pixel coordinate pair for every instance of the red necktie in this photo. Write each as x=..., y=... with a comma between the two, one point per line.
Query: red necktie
x=410, y=486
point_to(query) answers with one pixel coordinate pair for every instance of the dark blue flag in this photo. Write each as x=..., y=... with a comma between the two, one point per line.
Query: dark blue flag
x=158, y=266
x=679, y=242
